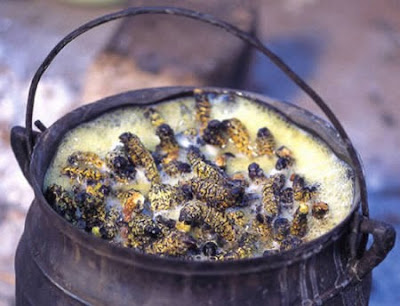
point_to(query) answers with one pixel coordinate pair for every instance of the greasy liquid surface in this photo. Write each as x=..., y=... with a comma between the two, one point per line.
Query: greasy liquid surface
x=313, y=159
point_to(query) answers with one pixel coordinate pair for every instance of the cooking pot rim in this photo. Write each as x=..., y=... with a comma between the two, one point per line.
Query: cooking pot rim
x=131, y=256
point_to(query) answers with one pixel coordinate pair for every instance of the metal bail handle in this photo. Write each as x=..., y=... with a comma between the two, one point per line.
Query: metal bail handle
x=206, y=18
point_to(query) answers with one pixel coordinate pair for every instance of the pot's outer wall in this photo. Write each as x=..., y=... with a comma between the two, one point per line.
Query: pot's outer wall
x=53, y=269
x=56, y=264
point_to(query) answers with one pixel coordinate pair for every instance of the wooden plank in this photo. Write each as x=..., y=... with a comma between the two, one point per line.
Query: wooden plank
x=156, y=50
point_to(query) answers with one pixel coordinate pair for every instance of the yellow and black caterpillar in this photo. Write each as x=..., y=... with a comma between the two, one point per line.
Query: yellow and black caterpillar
x=140, y=156
x=216, y=195
x=196, y=213
x=270, y=194
x=202, y=108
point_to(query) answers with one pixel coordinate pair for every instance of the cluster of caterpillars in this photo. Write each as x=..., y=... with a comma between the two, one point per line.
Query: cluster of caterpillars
x=206, y=214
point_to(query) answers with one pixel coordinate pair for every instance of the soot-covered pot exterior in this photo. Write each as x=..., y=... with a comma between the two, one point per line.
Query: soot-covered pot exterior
x=57, y=263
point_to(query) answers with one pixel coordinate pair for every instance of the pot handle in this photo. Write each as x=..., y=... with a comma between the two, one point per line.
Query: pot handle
x=18, y=140
x=206, y=18
x=384, y=237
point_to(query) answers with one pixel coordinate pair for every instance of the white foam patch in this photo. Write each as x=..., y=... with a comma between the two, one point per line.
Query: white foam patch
x=210, y=151
x=184, y=141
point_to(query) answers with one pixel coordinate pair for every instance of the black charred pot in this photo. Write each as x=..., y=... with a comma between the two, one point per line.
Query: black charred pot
x=58, y=264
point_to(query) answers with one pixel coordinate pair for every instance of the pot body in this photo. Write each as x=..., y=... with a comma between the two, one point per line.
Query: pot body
x=53, y=268
x=57, y=264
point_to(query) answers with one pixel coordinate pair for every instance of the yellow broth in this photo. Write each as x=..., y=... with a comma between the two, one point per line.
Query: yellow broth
x=313, y=159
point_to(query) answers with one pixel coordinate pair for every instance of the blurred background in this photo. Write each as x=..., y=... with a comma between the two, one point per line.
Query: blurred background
x=348, y=51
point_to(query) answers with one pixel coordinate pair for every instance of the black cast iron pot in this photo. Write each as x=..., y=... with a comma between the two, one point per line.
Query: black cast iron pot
x=58, y=264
